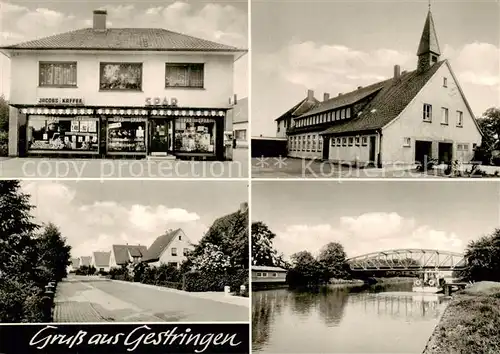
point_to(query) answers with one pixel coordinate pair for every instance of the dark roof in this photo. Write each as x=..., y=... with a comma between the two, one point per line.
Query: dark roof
x=101, y=259
x=345, y=99
x=389, y=102
x=156, y=249
x=429, y=41
x=300, y=108
x=124, y=39
x=240, y=113
x=121, y=252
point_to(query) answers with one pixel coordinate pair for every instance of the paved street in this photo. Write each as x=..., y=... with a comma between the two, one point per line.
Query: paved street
x=298, y=168
x=84, y=299
x=124, y=168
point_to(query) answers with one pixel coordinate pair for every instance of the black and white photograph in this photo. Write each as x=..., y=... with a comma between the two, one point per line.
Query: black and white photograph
x=344, y=89
x=124, y=251
x=380, y=267
x=160, y=86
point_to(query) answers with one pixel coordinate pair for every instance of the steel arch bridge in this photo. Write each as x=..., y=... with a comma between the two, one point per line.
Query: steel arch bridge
x=408, y=259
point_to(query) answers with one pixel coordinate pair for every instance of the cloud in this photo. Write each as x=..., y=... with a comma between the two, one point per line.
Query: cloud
x=98, y=225
x=217, y=22
x=365, y=233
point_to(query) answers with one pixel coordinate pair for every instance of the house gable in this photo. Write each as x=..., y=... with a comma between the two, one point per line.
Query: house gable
x=179, y=244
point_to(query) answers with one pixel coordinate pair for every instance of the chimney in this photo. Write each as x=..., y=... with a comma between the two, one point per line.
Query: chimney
x=310, y=95
x=235, y=99
x=243, y=207
x=326, y=96
x=100, y=20
x=397, y=72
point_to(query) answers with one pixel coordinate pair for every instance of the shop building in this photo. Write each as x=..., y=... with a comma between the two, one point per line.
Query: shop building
x=409, y=118
x=171, y=248
x=138, y=92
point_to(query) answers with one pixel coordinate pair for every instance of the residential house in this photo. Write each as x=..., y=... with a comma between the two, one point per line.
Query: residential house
x=409, y=118
x=240, y=122
x=170, y=248
x=100, y=260
x=123, y=254
x=85, y=261
x=129, y=92
x=75, y=264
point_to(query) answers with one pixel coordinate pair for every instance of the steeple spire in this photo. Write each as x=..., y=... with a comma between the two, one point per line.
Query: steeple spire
x=428, y=50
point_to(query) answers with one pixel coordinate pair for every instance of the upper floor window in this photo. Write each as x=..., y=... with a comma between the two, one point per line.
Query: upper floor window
x=427, y=112
x=348, y=112
x=121, y=76
x=460, y=119
x=59, y=74
x=444, y=115
x=445, y=82
x=342, y=113
x=184, y=75
x=174, y=251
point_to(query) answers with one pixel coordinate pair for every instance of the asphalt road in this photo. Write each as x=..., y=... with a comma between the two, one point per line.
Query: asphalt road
x=81, y=299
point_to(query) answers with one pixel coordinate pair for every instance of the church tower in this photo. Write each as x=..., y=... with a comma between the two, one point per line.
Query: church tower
x=428, y=49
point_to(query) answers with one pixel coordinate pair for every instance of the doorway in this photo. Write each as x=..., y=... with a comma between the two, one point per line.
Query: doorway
x=423, y=151
x=326, y=147
x=161, y=137
x=445, y=152
x=372, y=150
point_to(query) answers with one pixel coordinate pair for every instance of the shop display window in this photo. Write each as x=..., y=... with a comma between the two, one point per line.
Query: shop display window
x=196, y=135
x=63, y=133
x=126, y=134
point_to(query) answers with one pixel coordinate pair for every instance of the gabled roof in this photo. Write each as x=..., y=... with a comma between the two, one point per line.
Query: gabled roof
x=121, y=252
x=345, y=99
x=124, y=39
x=268, y=269
x=300, y=108
x=429, y=42
x=159, y=245
x=389, y=102
x=240, y=111
x=101, y=259
x=85, y=261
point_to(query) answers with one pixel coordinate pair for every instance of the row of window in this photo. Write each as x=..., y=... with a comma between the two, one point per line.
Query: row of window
x=121, y=76
x=263, y=275
x=312, y=142
x=184, y=251
x=326, y=117
x=427, y=115
x=350, y=141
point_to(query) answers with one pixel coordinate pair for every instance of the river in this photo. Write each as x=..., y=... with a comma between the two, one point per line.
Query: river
x=377, y=319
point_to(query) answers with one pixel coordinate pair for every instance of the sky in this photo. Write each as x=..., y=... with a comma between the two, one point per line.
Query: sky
x=375, y=216
x=220, y=21
x=335, y=46
x=94, y=215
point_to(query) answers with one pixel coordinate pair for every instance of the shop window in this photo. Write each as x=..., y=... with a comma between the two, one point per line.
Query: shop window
x=121, y=76
x=196, y=135
x=126, y=135
x=63, y=134
x=59, y=74
x=184, y=75
x=174, y=251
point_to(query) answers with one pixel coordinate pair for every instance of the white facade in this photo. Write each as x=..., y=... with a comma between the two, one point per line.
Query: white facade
x=241, y=134
x=174, y=252
x=307, y=145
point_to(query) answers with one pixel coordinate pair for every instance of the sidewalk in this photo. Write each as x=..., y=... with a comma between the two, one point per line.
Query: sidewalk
x=208, y=295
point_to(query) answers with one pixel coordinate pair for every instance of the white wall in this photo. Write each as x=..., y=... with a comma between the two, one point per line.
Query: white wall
x=355, y=153
x=167, y=257
x=216, y=93
x=242, y=126
x=293, y=148
x=410, y=123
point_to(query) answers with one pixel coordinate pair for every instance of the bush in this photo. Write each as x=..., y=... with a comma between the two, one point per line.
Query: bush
x=120, y=273
x=22, y=302
x=199, y=281
x=4, y=143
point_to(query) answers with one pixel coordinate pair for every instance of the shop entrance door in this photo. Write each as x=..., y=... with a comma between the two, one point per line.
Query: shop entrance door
x=161, y=137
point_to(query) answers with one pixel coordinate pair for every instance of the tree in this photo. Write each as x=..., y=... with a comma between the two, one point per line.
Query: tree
x=263, y=253
x=333, y=259
x=490, y=126
x=54, y=253
x=4, y=114
x=306, y=270
x=483, y=258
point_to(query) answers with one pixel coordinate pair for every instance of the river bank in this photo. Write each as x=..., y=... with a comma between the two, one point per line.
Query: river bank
x=471, y=322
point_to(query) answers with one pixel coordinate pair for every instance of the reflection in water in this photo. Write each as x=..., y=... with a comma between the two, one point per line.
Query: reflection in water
x=344, y=320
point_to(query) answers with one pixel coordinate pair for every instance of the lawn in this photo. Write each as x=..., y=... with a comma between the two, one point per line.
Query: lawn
x=470, y=324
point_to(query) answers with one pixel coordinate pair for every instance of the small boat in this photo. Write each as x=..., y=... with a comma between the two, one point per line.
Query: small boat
x=430, y=284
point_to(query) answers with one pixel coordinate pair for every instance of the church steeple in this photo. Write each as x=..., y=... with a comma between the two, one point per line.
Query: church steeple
x=428, y=49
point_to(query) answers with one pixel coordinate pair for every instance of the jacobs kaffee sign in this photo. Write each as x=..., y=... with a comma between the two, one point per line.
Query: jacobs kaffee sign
x=60, y=100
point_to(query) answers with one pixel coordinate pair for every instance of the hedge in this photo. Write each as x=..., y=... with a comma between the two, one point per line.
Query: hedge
x=199, y=281
x=4, y=143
